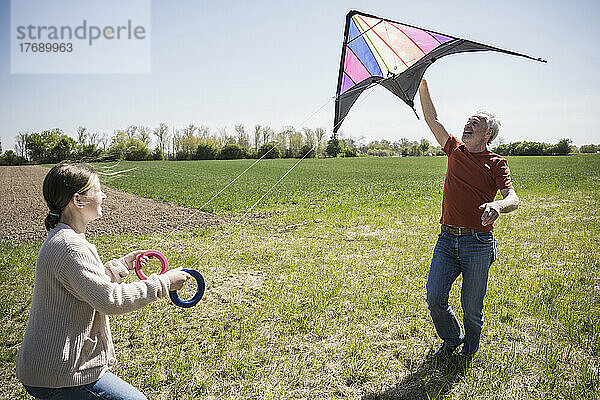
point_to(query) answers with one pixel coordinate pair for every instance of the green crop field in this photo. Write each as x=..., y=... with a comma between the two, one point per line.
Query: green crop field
x=320, y=293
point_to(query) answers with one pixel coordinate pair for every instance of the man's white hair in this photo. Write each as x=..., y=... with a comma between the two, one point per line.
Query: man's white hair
x=493, y=123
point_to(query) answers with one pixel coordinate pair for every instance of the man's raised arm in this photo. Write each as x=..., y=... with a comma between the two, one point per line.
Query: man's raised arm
x=440, y=133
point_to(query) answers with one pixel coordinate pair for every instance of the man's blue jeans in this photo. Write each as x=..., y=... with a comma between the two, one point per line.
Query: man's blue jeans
x=470, y=255
x=108, y=387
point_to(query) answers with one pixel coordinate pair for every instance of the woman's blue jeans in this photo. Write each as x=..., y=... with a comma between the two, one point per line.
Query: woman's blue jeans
x=470, y=255
x=108, y=387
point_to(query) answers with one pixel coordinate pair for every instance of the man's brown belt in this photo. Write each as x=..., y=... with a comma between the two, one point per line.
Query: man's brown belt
x=457, y=231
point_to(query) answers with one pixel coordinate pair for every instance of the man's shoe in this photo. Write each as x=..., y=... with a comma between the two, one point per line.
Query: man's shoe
x=465, y=359
x=443, y=353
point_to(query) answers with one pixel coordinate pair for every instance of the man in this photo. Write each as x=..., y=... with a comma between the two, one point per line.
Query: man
x=466, y=244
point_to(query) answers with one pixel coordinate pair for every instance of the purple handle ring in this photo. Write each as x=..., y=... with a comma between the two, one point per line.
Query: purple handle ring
x=150, y=254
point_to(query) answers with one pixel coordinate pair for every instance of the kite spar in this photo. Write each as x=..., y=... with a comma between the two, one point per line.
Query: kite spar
x=378, y=51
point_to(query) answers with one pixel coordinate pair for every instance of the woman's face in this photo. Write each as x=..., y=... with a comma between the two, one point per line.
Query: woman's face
x=92, y=201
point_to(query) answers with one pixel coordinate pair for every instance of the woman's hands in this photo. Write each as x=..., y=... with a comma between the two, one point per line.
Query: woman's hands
x=177, y=277
x=130, y=258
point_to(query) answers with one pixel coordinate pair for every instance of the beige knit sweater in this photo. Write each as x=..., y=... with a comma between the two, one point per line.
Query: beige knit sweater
x=67, y=341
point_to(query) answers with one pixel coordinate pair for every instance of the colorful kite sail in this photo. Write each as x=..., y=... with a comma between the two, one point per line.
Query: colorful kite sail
x=393, y=55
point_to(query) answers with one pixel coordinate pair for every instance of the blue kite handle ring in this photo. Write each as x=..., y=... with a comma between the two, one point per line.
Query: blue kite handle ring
x=199, y=293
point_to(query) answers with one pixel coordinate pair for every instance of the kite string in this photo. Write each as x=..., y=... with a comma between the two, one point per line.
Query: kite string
x=212, y=198
x=237, y=177
x=252, y=207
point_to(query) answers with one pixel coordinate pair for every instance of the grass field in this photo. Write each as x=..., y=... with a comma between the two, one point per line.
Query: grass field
x=321, y=294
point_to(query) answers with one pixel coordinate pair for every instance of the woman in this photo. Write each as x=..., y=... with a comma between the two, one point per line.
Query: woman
x=67, y=349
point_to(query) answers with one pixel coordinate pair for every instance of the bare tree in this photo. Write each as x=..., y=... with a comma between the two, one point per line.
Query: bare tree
x=242, y=137
x=203, y=132
x=189, y=130
x=282, y=141
x=257, y=130
x=267, y=134
x=104, y=140
x=93, y=138
x=21, y=144
x=176, y=133
x=143, y=133
x=81, y=135
x=287, y=132
x=130, y=131
x=309, y=136
x=162, y=136
x=295, y=141
x=319, y=134
x=222, y=133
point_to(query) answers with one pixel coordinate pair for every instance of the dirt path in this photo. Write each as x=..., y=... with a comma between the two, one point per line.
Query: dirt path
x=23, y=209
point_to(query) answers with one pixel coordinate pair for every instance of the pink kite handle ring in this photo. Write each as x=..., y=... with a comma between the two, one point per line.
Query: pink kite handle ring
x=137, y=266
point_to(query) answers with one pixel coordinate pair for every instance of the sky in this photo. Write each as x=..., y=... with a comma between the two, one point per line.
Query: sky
x=276, y=63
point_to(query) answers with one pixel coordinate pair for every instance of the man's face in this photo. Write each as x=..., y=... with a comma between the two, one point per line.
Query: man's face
x=476, y=130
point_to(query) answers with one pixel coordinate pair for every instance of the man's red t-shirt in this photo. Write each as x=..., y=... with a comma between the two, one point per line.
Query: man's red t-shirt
x=472, y=179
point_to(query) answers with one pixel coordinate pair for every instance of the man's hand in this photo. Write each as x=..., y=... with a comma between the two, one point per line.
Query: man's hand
x=491, y=212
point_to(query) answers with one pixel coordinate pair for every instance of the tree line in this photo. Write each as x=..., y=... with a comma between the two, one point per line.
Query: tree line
x=563, y=147
x=137, y=143
x=198, y=142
